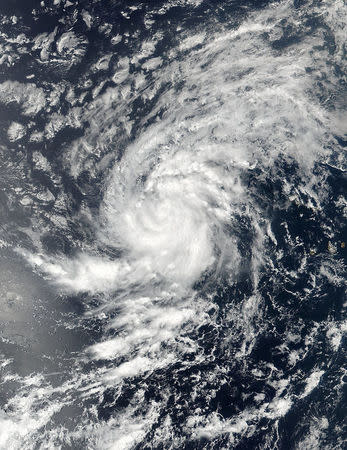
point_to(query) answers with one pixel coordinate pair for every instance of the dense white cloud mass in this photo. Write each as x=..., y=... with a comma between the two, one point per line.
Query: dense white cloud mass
x=232, y=104
x=182, y=205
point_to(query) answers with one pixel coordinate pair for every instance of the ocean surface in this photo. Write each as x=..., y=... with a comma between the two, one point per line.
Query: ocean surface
x=173, y=224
